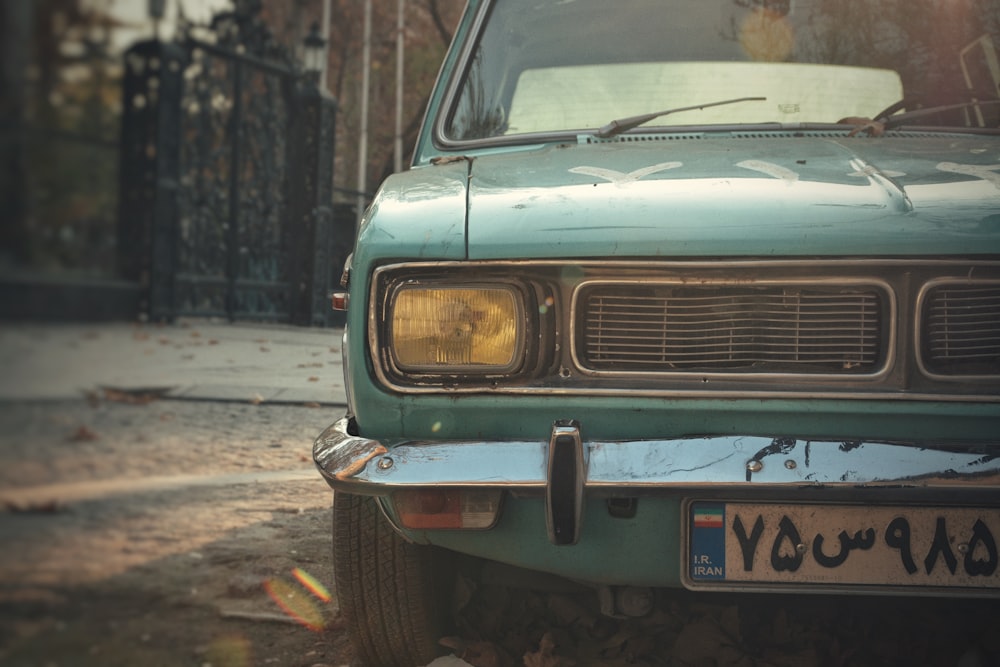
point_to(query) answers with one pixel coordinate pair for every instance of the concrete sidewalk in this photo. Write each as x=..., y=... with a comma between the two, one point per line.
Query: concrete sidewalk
x=193, y=359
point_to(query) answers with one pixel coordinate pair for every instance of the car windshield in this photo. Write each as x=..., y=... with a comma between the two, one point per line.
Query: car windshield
x=563, y=66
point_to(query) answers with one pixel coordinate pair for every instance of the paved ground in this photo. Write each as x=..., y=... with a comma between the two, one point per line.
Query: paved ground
x=196, y=359
x=157, y=494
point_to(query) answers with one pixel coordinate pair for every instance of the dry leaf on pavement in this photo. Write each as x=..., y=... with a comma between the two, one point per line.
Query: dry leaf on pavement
x=545, y=655
x=477, y=653
x=83, y=433
x=133, y=396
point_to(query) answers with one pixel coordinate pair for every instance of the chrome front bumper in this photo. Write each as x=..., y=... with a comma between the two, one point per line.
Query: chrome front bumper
x=565, y=468
x=355, y=464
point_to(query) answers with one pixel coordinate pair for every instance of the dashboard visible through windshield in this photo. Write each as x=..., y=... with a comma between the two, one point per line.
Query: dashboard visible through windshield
x=541, y=67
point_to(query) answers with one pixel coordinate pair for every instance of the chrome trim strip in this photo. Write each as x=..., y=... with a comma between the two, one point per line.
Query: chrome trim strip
x=722, y=263
x=877, y=283
x=345, y=460
x=918, y=315
x=694, y=394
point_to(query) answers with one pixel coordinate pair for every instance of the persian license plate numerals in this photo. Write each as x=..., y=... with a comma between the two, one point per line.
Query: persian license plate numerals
x=842, y=545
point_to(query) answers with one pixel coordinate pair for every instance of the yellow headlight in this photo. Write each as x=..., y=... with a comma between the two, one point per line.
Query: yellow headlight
x=448, y=328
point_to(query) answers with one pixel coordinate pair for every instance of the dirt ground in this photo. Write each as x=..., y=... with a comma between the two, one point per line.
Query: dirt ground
x=157, y=532
x=152, y=533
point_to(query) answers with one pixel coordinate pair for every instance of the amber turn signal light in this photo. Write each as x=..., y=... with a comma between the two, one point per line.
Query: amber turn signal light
x=435, y=509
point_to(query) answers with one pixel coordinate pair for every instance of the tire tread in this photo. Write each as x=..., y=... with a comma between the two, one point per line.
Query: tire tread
x=389, y=591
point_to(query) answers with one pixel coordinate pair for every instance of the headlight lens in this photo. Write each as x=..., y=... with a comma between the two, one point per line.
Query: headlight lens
x=445, y=328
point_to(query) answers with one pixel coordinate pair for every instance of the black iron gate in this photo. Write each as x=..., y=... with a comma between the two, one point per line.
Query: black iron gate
x=227, y=154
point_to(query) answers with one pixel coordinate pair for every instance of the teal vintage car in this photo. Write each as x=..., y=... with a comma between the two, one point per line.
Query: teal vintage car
x=680, y=293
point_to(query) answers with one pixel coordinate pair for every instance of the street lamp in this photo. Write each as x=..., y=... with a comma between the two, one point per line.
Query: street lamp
x=314, y=51
x=155, y=10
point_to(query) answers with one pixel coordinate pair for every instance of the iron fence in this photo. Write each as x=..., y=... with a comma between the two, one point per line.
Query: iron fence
x=226, y=179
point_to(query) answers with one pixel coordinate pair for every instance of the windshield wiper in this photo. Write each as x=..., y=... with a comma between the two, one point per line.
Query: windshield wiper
x=622, y=124
x=898, y=120
x=882, y=123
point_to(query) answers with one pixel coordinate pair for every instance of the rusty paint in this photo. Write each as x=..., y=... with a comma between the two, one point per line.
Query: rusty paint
x=341, y=455
x=357, y=465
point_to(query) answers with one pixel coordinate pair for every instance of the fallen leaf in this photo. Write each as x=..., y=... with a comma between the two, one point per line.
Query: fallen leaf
x=133, y=396
x=311, y=404
x=313, y=378
x=568, y=611
x=711, y=637
x=544, y=656
x=477, y=653
x=83, y=434
x=43, y=507
x=448, y=159
x=867, y=126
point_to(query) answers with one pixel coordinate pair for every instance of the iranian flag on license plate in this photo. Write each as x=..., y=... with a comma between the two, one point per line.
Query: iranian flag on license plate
x=708, y=517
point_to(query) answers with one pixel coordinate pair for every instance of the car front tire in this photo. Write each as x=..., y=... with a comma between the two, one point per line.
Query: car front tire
x=394, y=596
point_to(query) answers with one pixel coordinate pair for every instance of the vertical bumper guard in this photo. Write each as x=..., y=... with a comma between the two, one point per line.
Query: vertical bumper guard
x=567, y=471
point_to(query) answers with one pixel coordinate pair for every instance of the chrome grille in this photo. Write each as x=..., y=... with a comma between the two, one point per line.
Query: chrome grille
x=731, y=329
x=961, y=328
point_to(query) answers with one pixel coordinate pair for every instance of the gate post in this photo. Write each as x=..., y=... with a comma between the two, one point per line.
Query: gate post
x=310, y=224
x=149, y=171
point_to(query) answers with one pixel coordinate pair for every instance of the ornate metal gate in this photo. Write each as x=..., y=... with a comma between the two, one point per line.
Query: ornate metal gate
x=227, y=177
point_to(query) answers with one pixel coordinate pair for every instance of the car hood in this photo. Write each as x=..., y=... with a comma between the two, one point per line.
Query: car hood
x=765, y=196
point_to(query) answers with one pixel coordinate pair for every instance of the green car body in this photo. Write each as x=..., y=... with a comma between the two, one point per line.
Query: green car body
x=592, y=467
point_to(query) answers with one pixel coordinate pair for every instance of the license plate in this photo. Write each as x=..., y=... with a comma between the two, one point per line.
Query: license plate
x=733, y=545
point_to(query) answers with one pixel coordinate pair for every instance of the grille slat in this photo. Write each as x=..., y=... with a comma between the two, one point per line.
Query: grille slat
x=723, y=328
x=755, y=340
x=962, y=325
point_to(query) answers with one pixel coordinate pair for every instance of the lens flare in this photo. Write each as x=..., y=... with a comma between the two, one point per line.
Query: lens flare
x=312, y=584
x=230, y=651
x=296, y=603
